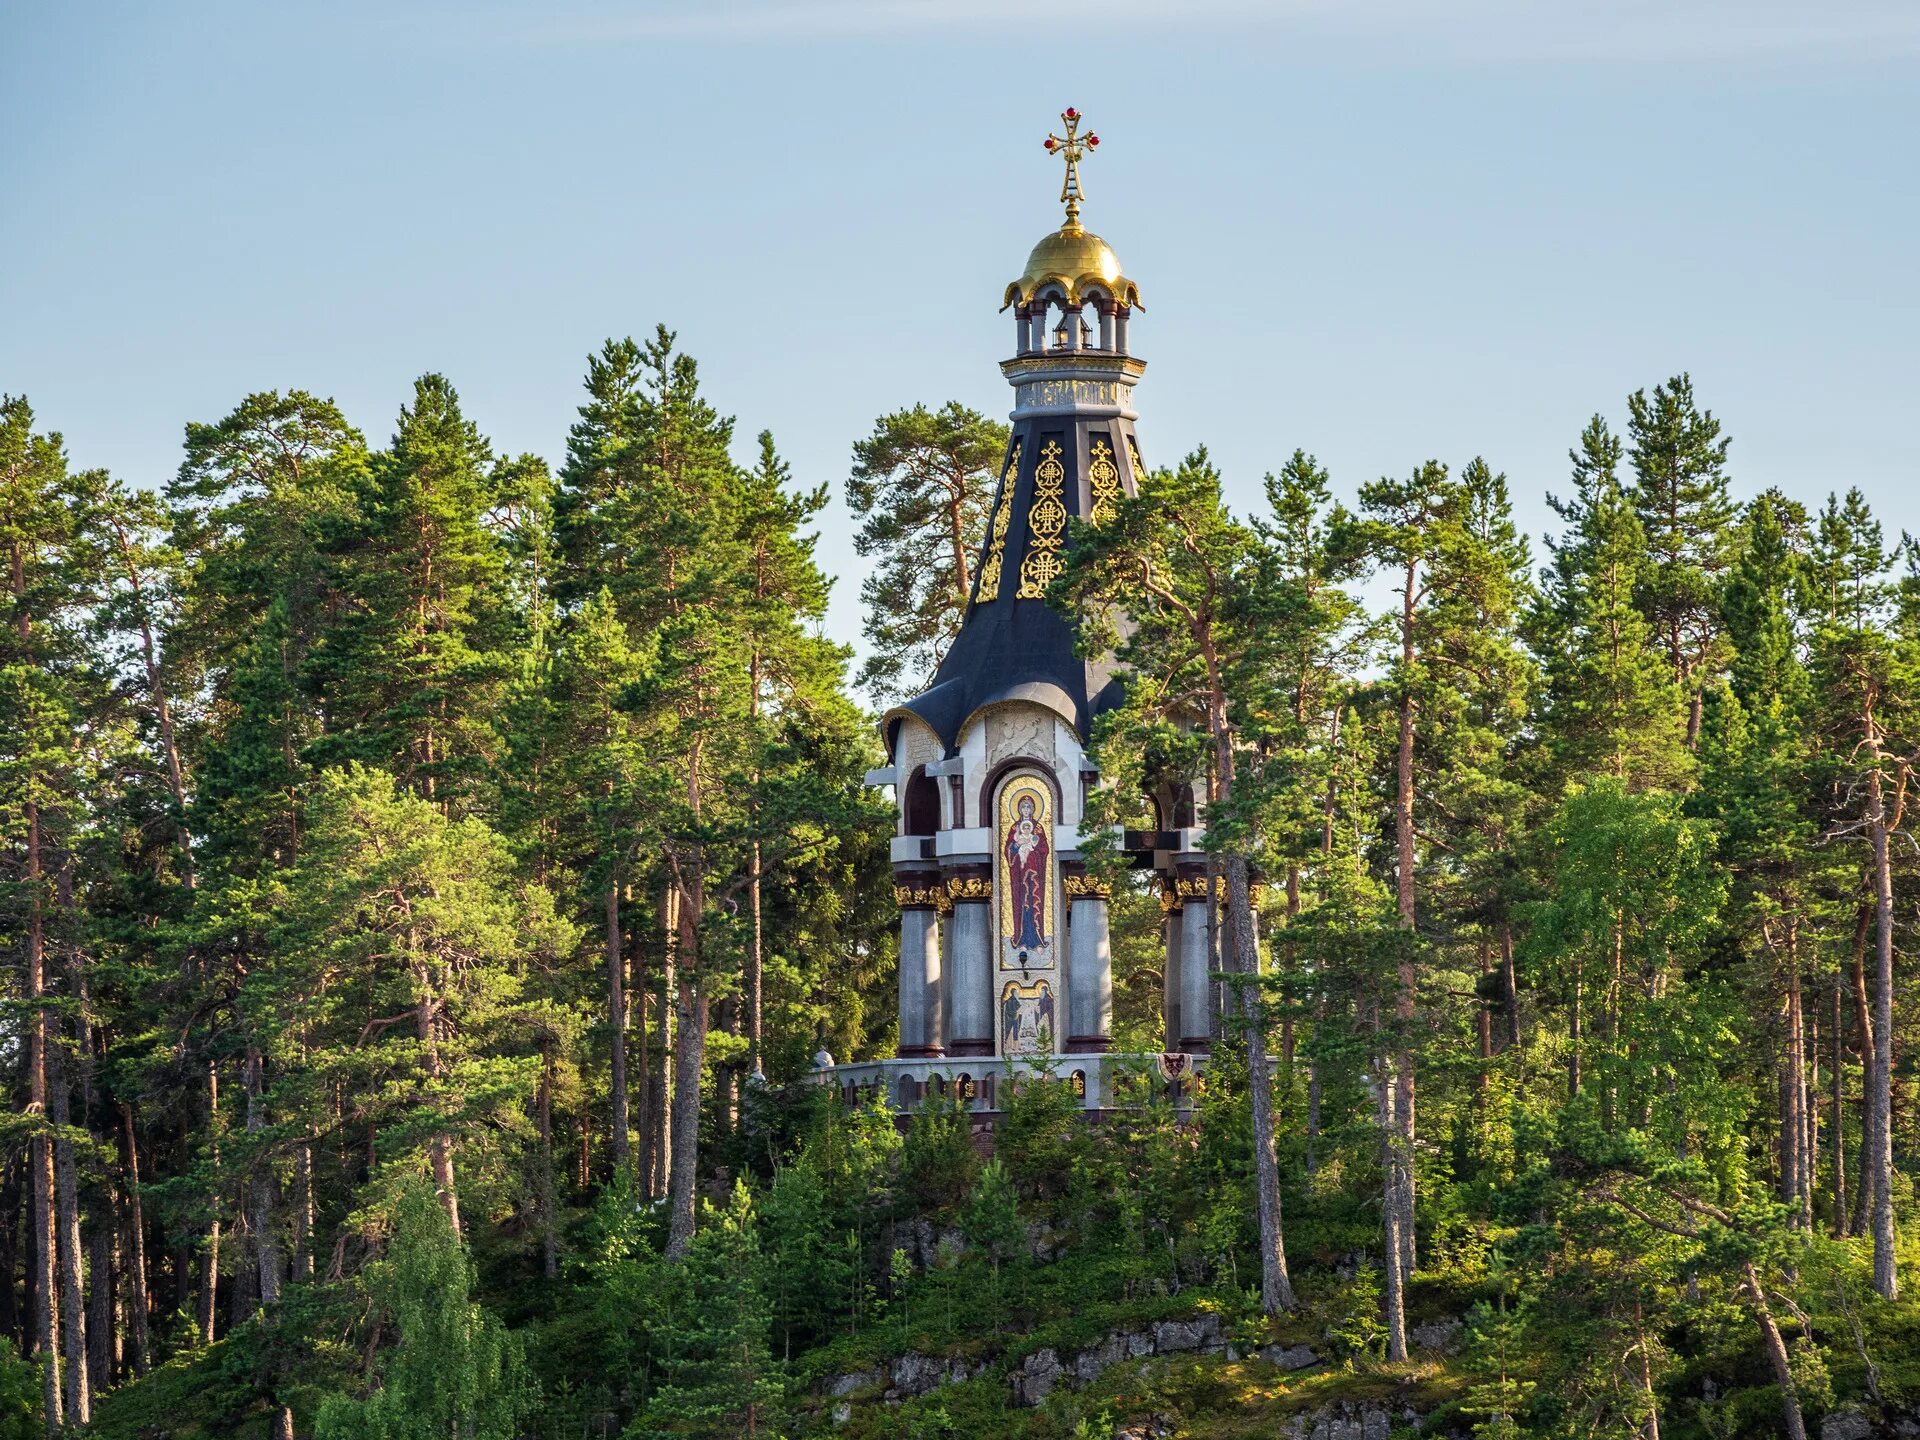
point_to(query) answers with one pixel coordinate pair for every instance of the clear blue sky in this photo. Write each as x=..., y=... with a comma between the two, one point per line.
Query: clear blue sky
x=1378, y=229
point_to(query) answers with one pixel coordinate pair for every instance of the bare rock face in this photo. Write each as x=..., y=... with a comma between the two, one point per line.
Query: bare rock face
x=1289, y=1357
x=1342, y=1421
x=1847, y=1425
x=843, y=1385
x=1036, y=1377
x=1088, y=1364
x=914, y=1374
x=1442, y=1337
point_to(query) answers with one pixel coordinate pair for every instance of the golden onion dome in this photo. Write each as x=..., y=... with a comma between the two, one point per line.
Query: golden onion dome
x=1075, y=259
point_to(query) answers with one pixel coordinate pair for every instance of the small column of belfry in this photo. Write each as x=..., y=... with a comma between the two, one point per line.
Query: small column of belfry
x=969, y=888
x=1194, y=1001
x=947, y=971
x=923, y=900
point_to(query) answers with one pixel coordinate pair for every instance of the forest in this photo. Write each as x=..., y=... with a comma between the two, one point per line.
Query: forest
x=428, y=875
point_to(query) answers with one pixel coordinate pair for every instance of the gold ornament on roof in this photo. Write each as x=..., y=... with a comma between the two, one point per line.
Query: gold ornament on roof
x=1072, y=257
x=1046, y=523
x=997, y=542
x=1104, y=476
x=1072, y=148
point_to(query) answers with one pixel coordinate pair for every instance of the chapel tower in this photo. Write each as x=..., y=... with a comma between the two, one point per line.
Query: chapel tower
x=1004, y=941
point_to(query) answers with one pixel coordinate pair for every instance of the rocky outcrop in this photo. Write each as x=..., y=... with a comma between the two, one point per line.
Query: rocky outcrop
x=1045, y=1370
x=1442, y=1337
x=1039, y=1374
x=1346, y=1420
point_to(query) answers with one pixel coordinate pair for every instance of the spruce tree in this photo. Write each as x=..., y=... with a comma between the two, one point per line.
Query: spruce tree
x=719, y=1379
x=1612, y=706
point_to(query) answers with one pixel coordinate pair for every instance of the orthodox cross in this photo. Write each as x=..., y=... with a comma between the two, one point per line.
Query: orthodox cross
x=1073, y=149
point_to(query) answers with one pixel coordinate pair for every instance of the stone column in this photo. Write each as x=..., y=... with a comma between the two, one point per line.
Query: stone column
x=1170, y=970
x=1196, y=965
x=921, y=899
x=1089, y=965
x=970, y=1019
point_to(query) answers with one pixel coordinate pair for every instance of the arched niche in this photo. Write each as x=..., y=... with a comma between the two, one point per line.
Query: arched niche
x=920, y=803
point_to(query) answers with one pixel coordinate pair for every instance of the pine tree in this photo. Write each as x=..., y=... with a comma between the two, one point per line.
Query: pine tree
x=1680, y=493
x=1864, y=674
x=412, y=669
x=1180, y=574
x=1757, y=783
x=921, y=486
x=43, y=679
x=398, y=945
x=1458, y=565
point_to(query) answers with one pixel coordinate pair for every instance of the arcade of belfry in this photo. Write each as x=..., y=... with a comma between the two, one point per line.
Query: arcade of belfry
x=1005, y=959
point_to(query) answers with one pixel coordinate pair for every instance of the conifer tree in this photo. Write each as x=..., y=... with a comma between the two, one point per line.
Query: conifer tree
x=719, y=1378
x=43, y=667
x=1612, y=706
x=1864, y=674
x=1757, y=782
x=921, y=486
x=413, y=667
x=1180, y=574
x=401, y=938
x=1459, y=568
x=1680, y=493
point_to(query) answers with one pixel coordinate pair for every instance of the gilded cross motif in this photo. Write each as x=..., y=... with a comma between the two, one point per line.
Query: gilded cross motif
x=1046, y=523
x=1073, y=148
x=997, y=542
x=1104, y=476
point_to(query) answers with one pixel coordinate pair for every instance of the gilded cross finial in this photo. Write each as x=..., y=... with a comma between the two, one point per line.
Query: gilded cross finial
x=1073, y=148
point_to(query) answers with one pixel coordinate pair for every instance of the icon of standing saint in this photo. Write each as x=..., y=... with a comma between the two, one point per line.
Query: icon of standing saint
x=1026, y=877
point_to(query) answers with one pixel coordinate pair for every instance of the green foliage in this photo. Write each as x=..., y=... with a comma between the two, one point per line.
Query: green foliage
x=717, y=1377
x=921, y=487
x=938, y=1163
x=1355, y=1329
x=451, y=1369
x=990, y=1219
x=20, y=1417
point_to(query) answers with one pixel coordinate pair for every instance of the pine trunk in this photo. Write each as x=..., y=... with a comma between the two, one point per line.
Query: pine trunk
x=67, y=1248
x=1276, y=1286
x=1838, y=1128
x=1879, y=1138
x=42, y=1042
x=617, y=1025
x=260, y=1219
x=210, y=1264
x=138, y=1304
x=102, y=1333
x=440, y=1146
x=1864, y=1038
x=689, y=1056
x=663, y=1146
x=1776, y=1348
x=1400, y=1172
x=543, y=1116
